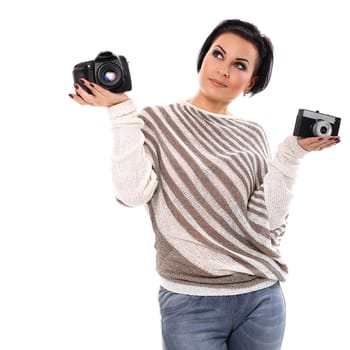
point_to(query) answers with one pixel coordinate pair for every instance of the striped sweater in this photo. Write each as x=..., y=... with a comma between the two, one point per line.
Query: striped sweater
x=217, y=202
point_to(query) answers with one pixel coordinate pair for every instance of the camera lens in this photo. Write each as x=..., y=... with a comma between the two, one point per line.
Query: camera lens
x=109, y=75
x=322, y=128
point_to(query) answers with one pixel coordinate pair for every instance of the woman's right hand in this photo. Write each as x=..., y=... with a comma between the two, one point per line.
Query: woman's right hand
x=100, y=96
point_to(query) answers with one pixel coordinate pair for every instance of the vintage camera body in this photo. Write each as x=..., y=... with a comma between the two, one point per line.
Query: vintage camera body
x=107, y=70
x=310, y=124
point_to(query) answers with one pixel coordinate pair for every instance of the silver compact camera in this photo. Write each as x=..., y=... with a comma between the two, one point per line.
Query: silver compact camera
x=310, y=124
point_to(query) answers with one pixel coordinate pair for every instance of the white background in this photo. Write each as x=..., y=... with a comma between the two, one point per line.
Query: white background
x=77, y=270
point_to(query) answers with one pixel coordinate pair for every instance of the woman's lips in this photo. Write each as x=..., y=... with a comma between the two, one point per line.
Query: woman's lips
x=218, y=83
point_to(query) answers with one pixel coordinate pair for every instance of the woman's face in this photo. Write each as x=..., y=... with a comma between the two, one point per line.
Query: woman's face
x=227, y=69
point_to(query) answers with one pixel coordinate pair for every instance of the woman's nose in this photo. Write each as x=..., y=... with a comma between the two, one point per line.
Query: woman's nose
x=224, y=71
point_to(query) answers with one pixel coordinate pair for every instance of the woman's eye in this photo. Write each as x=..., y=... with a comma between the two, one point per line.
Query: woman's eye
x=218, y=54
x=240, y=65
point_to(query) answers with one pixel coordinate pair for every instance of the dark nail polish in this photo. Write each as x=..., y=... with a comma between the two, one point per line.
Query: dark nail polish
x=71, y=96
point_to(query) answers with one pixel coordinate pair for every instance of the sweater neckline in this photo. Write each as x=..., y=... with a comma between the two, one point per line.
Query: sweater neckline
x=217, y=115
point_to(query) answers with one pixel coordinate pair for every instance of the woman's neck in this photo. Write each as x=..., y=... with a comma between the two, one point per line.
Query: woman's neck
x=209, y=105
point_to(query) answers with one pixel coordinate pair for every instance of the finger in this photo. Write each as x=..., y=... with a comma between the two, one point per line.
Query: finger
x=98, y=90
x=324, y=142
x=94, y=88
x=328, y=143
x=84, y=95
x=77, y=99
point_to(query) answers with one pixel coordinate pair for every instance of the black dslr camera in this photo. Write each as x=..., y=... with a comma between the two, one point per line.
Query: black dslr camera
x=309, y=124
x=107, y=70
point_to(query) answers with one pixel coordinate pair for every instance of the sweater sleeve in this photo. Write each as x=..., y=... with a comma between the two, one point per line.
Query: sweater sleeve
x=133, y=173
x=279, y=180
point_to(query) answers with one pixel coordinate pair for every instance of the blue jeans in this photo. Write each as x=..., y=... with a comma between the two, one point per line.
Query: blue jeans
x=251, y=321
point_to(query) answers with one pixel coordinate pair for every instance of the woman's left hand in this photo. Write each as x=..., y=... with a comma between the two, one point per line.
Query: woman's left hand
x=318, y=143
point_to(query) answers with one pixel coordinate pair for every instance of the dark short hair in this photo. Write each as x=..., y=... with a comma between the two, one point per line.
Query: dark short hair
x=250, y=32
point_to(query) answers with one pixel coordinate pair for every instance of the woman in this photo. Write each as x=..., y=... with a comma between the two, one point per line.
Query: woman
x=217, y=202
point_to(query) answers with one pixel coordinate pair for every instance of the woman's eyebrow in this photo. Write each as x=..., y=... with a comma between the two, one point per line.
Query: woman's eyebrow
x=221, y=48
x=242, y=59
